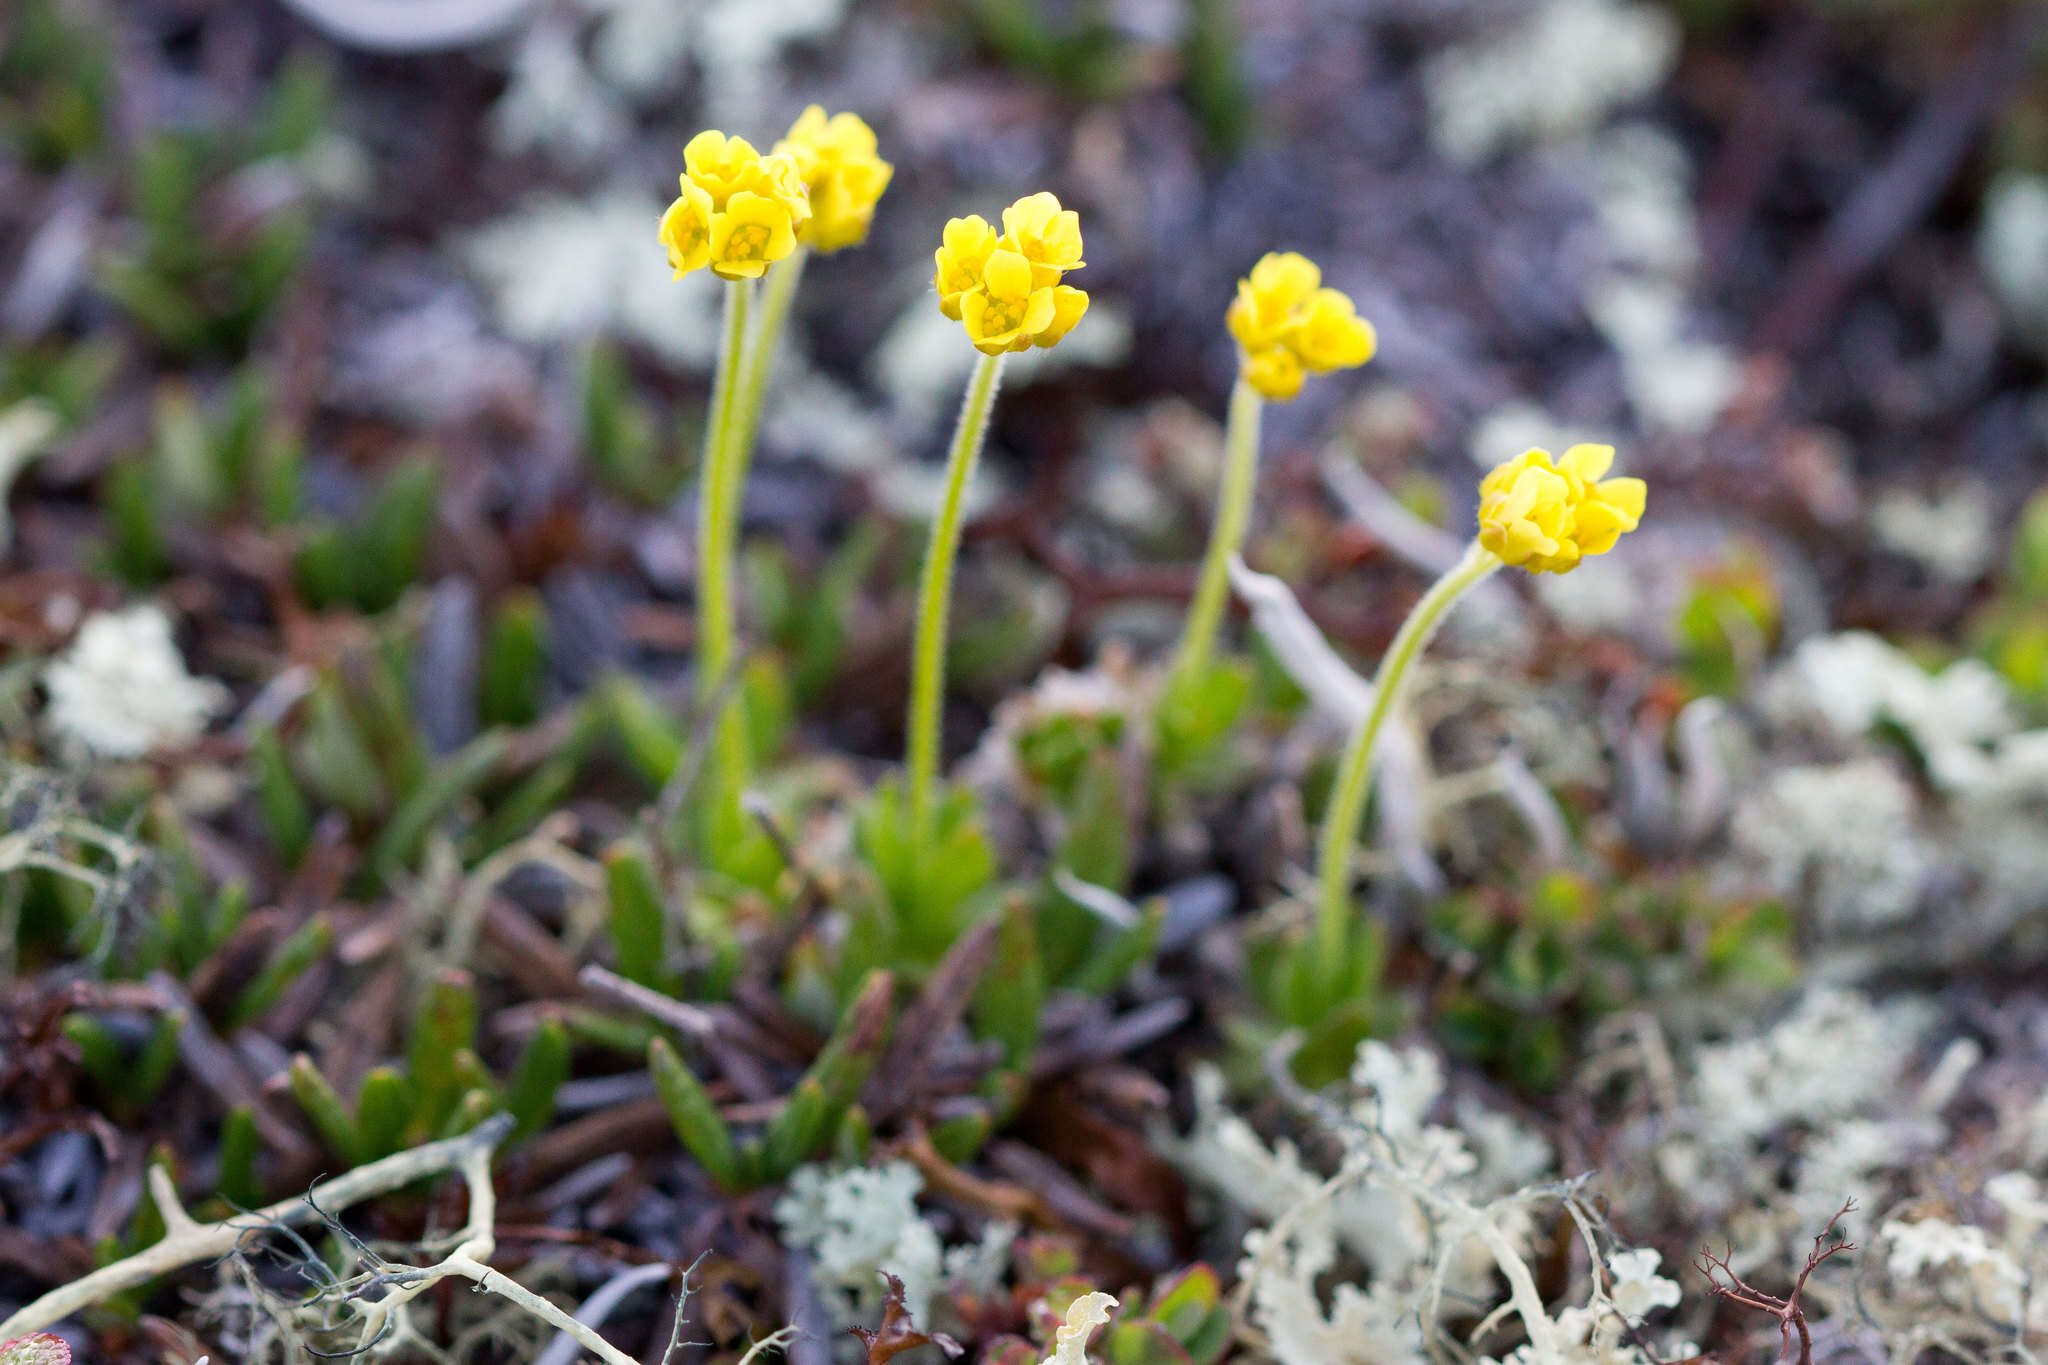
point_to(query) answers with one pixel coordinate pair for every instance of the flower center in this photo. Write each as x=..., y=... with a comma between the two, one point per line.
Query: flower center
x=748, y=242
x=1003, y=315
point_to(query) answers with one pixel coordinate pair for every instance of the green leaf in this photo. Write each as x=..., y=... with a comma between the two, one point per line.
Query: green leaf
x=286, y=817
x=797, y=1132
x=843, y=1064
x=385, y=1106
x=238, y=1182
x=1096, y=843
x=330, y=1117
x=1106, y=968
x=152, y=1066
x=930, y=886
x=513, y=670
x=135, y=525
x=444, y=1027
x=650, y=736
x=2029, y=570
x=286, y=962
x=543, y=1066
x=334, y=756
x=99, y=1052
x=635, y=914
x=959, y=1137
x=1194, y=715
x=460, y=774
x=1009, y=1002
x=698, y=1124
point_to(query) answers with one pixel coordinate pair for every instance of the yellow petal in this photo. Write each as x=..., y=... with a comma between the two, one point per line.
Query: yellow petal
x=1587, y=461
x=1007, y=274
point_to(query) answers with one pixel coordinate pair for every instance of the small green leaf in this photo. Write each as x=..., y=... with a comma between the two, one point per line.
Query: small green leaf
x=461, y=773
x=238, y=1182
x=385, y=1105
x=698, y=1124
x=286, y=962
x=444, y=1027
x=512, y=675
x=635, y=914
x=330, y=1117
x=286, y=817
x=543, y=1066
x=797, y=1132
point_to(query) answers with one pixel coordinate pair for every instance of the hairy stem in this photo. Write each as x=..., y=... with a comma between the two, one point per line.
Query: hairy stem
x=1354, y=773
x=778, y=290
x=721, y=487
x=1226, y=535
x=935, y=594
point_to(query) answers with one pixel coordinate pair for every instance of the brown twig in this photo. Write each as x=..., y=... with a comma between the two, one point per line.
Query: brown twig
x=1790, y=1315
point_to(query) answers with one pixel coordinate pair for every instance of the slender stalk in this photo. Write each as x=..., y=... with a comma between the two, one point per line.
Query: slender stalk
x=721, y=484
x=1226, y=535
x=935, y=593
x=778, y=289
x=1354, y=773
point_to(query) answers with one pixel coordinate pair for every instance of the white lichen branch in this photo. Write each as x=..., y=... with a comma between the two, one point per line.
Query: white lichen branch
x=187, y=1242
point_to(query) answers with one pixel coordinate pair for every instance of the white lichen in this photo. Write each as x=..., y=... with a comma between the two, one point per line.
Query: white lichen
x=1552, y=75
x=1950, y=534
x=862, y=1223
x=122, y=690
x=2012, y=248
x=1850, y=682
x=1838, y=838
x=562, y=269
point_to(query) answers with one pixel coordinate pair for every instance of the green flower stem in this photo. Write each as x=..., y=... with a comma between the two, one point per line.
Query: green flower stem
x=722, y=480
x=935, y=594
x=778, y=289
x=1226, y=537
x=1347, y=799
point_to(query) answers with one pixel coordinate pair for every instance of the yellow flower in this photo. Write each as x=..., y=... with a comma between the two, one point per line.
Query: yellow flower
x=1048, y=236
x=738, y=211
x=1267, y=299
x=837, y=161
x=721, y=166
x=1006, y=312
x=752, y=234
x=962, y=253
x=1274, y=371
x=686, y=230
x=1329, y=335
x=1005, y=287
x=1286, y=324
x=1068, y=306
x=1545, y=516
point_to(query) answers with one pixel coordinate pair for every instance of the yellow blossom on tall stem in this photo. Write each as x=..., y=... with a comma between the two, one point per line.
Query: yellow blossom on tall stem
x=1541, y=515
x=736, y=213
x=1287, y=325
x=748, y=216
x=1005, y=290
x=843, y=172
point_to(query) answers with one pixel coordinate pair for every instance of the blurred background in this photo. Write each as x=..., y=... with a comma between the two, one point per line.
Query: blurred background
x=330, y=297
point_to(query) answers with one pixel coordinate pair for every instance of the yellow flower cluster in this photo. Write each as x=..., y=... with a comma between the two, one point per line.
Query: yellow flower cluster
x=1004, y=288
x=1547, y=516
x=837, y=161
x=1287, y=324
x=739, y=211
